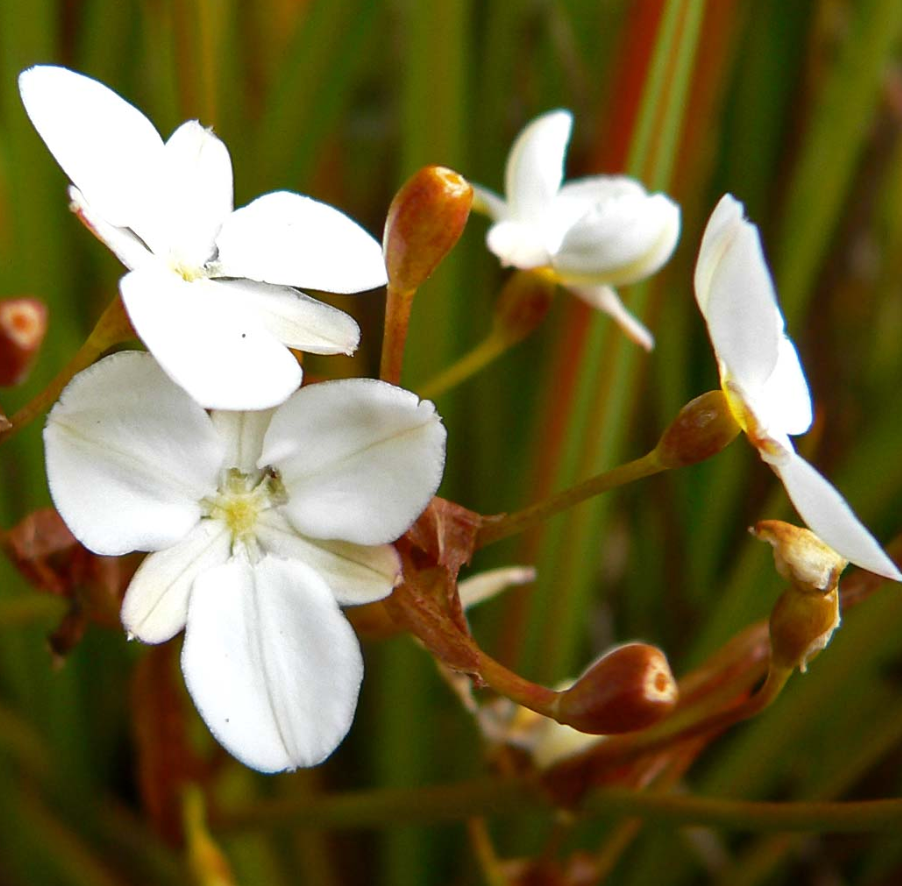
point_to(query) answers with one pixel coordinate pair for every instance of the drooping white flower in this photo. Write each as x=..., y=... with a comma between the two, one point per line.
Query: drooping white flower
x=763, y=380
x=209, y=290
x=261, y=524
x=590, y=234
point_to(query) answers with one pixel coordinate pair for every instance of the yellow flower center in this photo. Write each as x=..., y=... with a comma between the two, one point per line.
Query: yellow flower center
x=187, y=272
x=241, y=499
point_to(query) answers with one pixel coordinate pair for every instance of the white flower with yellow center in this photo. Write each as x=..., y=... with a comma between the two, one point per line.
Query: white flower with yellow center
x=209, y=290
x=261, y=524
x=590, y=234
x=763, y=380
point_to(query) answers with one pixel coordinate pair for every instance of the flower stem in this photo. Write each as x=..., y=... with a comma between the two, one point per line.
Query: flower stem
x=488, y=350
x=397, y=319
x=499, y=526
x=518, y=689
x=112, y=328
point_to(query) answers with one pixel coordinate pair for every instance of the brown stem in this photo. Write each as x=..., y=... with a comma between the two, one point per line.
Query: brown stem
x=397, y=319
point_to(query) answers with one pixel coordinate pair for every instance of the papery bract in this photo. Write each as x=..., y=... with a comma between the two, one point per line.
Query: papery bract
x=763, y=380
x=208, y=289
x=261, y=525
x=589, y=234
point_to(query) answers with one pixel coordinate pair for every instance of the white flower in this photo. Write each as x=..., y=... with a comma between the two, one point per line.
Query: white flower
x=208, y=289
x=763, y=380
x=589, y=234
x=261, y=523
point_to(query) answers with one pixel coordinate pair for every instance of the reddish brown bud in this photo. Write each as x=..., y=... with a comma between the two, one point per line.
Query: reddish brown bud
x=702, y=428
x=425, y=220
x=630, y=687
x=23, y=324
x=522, y=305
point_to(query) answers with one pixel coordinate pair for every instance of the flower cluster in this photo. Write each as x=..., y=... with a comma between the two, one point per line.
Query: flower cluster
x=260, y=521
x=264, y=506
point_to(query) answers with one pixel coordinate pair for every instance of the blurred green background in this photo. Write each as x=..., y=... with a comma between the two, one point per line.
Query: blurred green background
x=796, y=108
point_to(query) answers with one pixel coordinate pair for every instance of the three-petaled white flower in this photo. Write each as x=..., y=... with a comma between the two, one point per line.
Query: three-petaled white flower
x=261, y=524
x=208, y=289
x=590, y=234
x=763, y=380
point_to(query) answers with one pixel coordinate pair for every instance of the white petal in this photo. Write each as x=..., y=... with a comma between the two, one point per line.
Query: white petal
x=620, y=240
x=488, y=203
x=594, y=189
x=297, y=320
x=518, y=244
x=736, y=295
x=208, y=341
x=271, y=663
x=360, y=459
x=106, y=146
x=604, y=298
x=155, y=607
x=784, y=401
x=485, y=585
x=189, y=198
x=726, y=219
x=535, y=166
x=242, y=434
x=124, y=244
x=129, y=456
x=578, y=198
x=355, y=573
x=829, y=517
x=291, y=240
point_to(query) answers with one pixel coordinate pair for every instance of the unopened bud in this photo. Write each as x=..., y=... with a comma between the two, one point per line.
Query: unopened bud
x=522, y=305
x=800, y=556
x=425, y=220
x=801, y=625
x=807, y=613
x=23, y=324
x=703, y=427
x=630, y=687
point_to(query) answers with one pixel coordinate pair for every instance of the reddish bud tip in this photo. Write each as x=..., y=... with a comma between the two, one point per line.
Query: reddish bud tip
x=522, y=305
x=425, y=220
x=630, y=687
x=703, y=427
x=23, y=324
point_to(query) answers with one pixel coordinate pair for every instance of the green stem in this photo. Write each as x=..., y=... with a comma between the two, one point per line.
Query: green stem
x=112, y=327
x=499, y=526
x=488, y=350
x=389, y=807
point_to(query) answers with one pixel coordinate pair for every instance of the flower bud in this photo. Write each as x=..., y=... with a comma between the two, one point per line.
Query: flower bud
x=425, y=220
x=703, y=427
x=522, y=305
x=807, y=613
x=801, y=625
x=800, y=556
x=23, y=324
x=628, y=688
